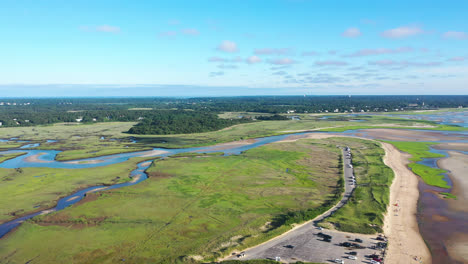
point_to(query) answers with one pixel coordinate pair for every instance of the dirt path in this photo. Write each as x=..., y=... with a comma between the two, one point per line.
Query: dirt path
x=400, y=225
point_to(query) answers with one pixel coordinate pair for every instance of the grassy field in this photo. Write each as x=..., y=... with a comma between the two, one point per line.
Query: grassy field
x=80, y=141
x=27, y=190
x=190, y=208
x=364, y=213
x=418, y=151
x=4, y=157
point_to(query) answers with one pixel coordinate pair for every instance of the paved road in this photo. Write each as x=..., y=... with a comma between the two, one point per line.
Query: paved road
x=307, y=246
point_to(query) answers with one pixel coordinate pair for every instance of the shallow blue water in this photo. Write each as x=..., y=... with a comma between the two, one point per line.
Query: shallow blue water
x=138, y=174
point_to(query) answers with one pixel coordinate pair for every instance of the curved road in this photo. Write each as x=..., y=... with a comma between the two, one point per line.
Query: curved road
x=302, y=243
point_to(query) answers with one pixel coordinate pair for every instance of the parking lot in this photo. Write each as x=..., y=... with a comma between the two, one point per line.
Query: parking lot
x=305, y=244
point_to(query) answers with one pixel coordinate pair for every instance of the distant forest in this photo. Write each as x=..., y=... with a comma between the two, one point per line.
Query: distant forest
x=182, y=122
x=189, y=115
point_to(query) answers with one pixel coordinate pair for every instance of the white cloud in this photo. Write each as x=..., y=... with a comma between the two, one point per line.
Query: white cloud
x=455, y=35
x=107, y=28
x=309, y=53
x=216, y=59
x=282, y=61
x=331, y=63
x=383, y=62
x=253, y=59
x=351, y=33
x=102, y=28
x=268, y=51
x=280, y=73
x=458, y=58
x=190, y=32
x=402, y=32
x=403, y=64
x=168, y=34
x=215, y=74
x=227, y=66
x=174, y=22
x=227, y=46
x=369, y=52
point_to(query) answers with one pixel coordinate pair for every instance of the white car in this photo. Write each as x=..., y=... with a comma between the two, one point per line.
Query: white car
x=374, y=262
x=352, y=257
x=340, y=261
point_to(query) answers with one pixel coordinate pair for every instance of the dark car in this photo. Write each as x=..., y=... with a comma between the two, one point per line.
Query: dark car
x=289, y=246
x=345, y=244
x=354, y=253
x=358, y=240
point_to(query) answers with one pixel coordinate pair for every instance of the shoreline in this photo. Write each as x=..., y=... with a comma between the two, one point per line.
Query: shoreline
x=406, y=244
x=456, y=164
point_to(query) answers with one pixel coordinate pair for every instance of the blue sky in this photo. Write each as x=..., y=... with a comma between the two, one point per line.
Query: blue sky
x=215, y=48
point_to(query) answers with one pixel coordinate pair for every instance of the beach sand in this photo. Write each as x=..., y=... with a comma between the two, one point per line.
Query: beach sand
x=35, y=158
x=401, y=228
x=94, y=161
x=410, y=135
x=152, y=153
x=452, y=146
x=224, y=146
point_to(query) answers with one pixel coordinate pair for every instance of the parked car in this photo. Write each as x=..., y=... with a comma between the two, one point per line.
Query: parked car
x=340, y=261
x=358, y=240
x=354, y=253
x=352, y=257
x=374, y=262
x=289, y=246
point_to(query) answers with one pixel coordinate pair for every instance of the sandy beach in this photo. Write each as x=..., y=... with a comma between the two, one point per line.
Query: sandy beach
x=229, y=145
x=153, y=153
x=35, y=158
x=94, y=161
x=401, y=227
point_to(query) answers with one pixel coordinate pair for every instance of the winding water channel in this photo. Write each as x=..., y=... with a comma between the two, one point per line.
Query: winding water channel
x=434, y=232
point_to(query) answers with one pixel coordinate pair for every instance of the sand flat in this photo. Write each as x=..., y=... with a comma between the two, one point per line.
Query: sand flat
x=411, y=135
x=405, y=241
x=457, y=165
x=452, y=146
x=152, y=153
x=35, y=158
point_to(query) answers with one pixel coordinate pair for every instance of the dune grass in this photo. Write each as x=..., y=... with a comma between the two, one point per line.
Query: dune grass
x=364, y=213
x=419, y=151
x=190, y=206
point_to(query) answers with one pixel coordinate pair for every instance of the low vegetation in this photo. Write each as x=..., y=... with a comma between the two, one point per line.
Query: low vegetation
x=418, y=152
x=449, y=195
x=4, y=157
x=182, y=122
x=190, y=208
x=25, y=190
x=364, y=212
